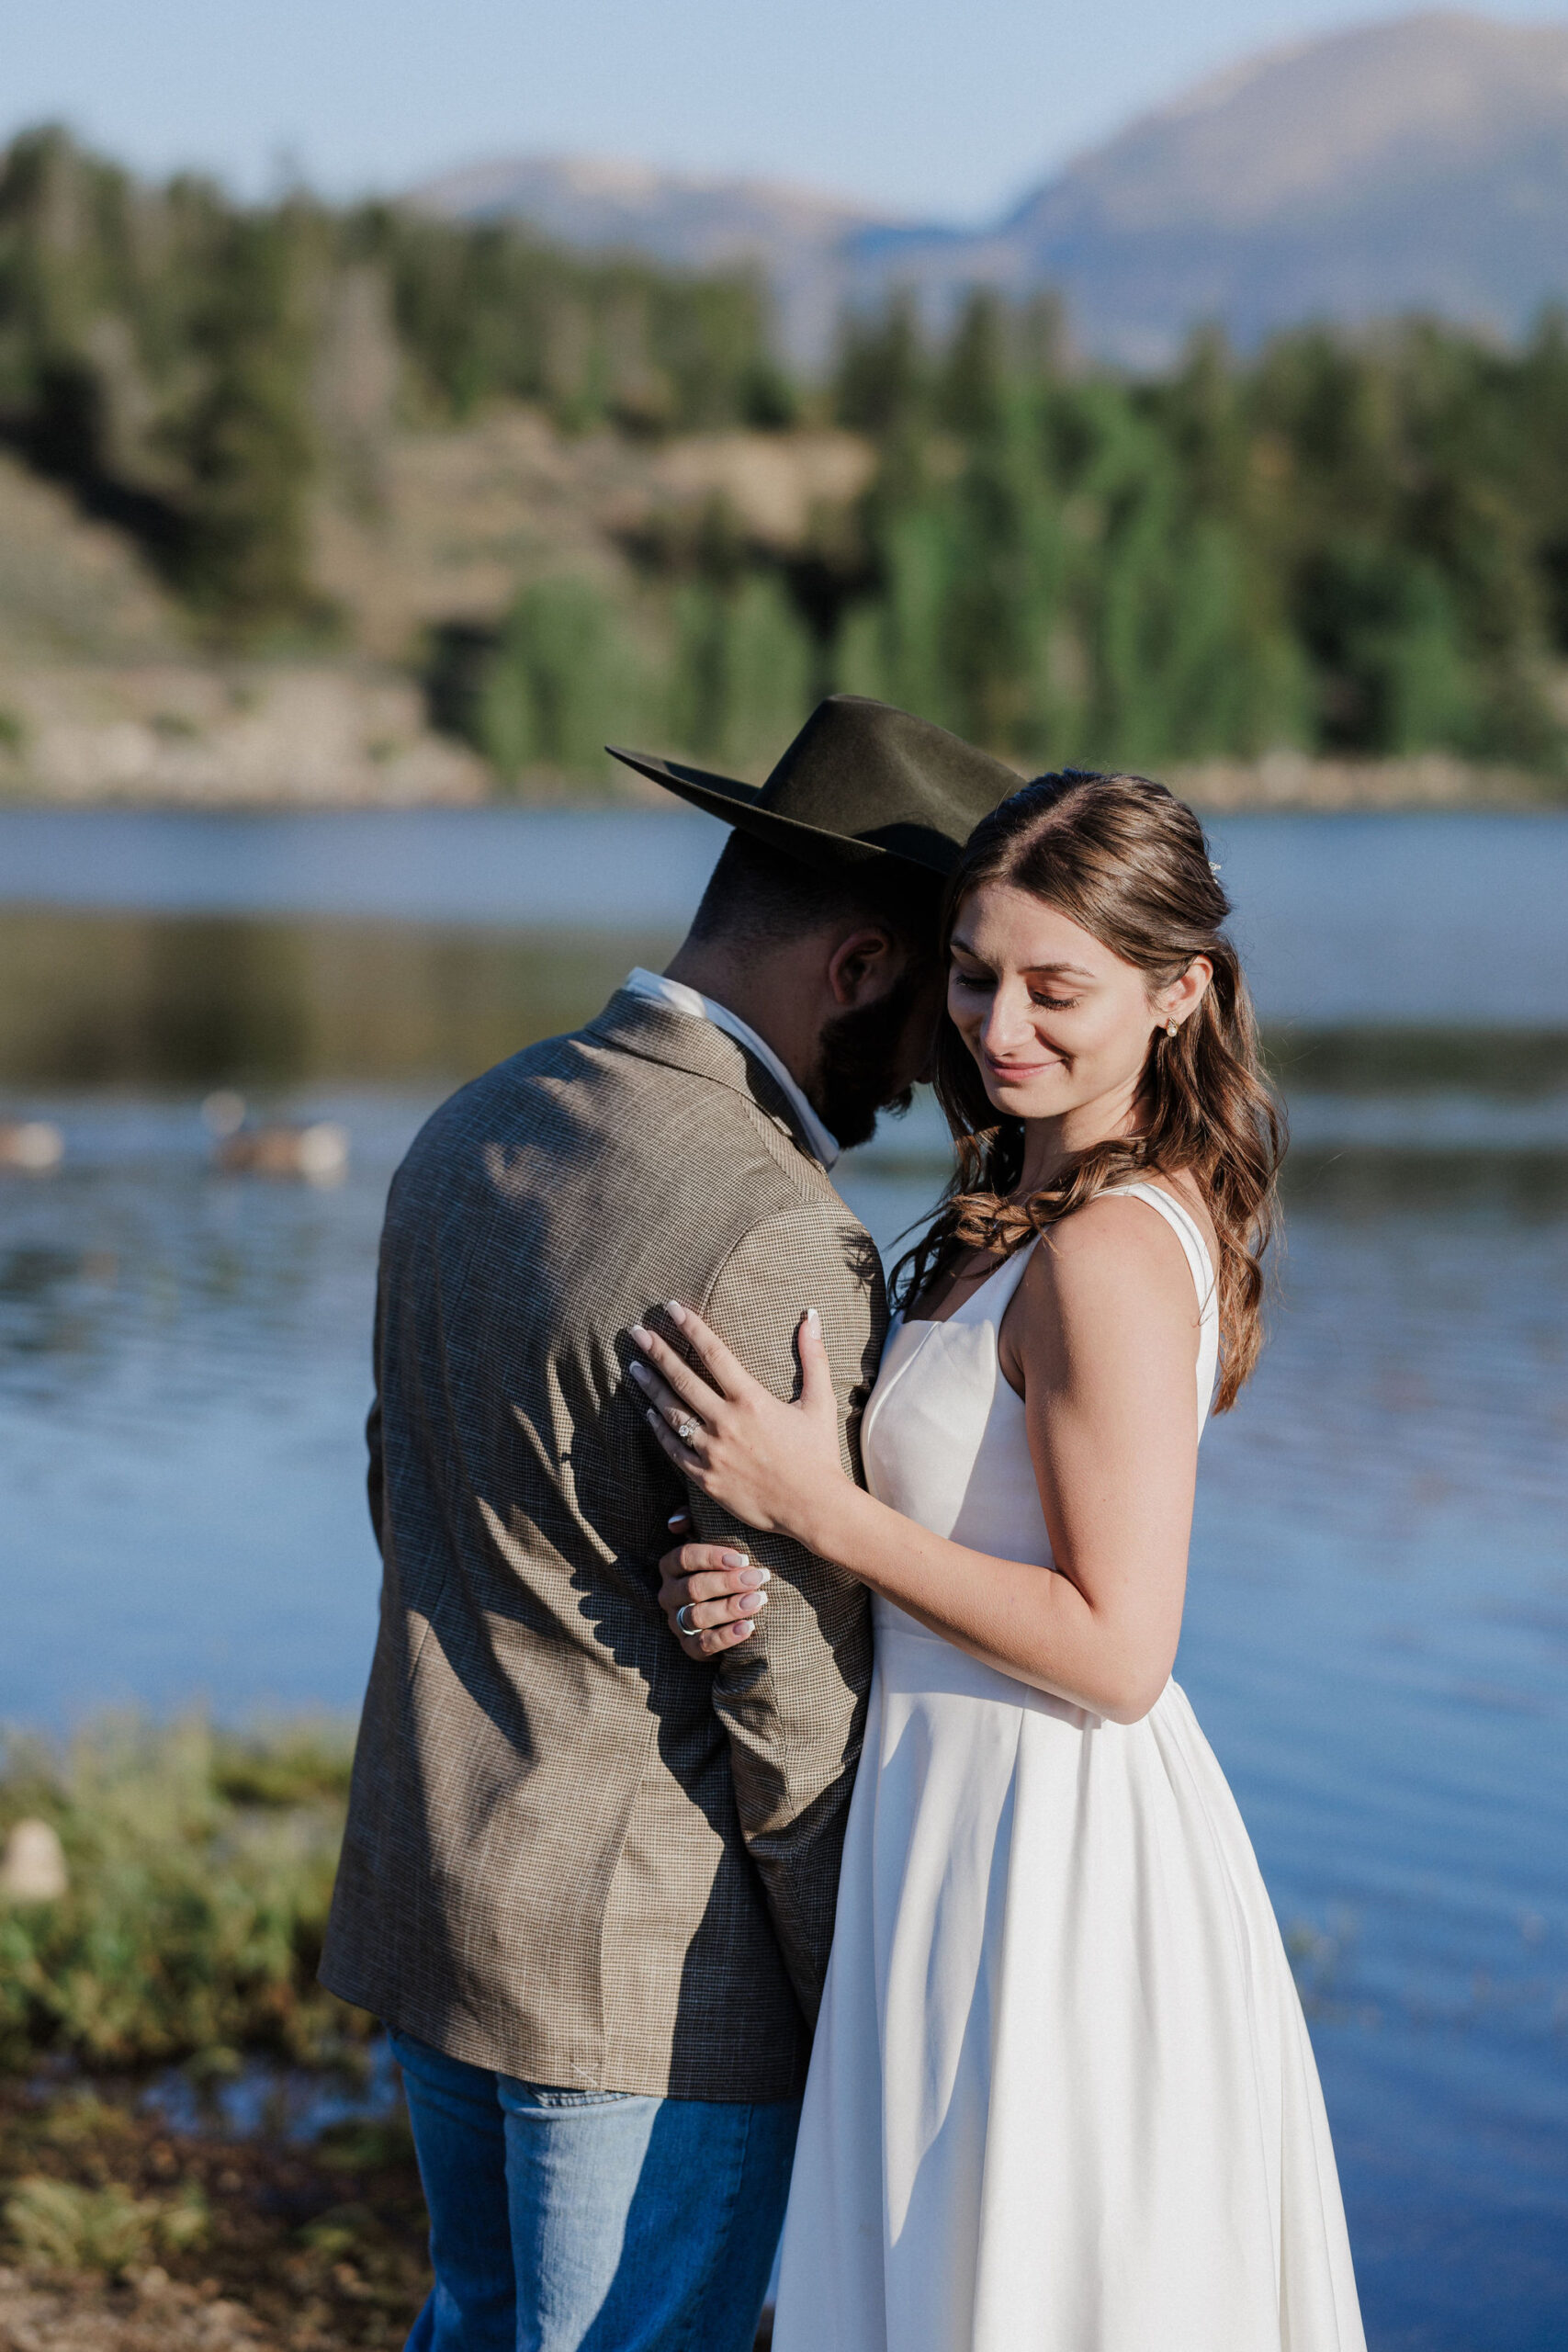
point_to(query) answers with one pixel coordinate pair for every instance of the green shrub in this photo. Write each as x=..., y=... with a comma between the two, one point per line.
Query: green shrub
x=201, y=1869
x=741, y=682
x=58, y=2226
x=566, y=679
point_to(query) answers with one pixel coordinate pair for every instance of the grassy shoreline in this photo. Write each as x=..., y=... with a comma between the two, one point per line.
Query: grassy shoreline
x=199, y=1866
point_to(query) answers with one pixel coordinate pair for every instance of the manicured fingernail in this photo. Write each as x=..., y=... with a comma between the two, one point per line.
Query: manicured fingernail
x=651, y=1416
x=641, y=1334
x=744, y=1629
x=812, y=1315
x=751, y=1601
x=675, y=1311
x=640, y=1374
x=734, y=1559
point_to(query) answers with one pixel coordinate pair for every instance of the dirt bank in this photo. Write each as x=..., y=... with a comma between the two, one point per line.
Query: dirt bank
x=121, y=2235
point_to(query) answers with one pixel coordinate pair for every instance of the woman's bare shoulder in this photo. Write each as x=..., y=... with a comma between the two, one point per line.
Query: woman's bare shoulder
x=1106, y=1243
x=1092, y=1272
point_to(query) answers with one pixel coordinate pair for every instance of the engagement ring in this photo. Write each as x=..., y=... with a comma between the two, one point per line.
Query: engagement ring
x=685, y=1431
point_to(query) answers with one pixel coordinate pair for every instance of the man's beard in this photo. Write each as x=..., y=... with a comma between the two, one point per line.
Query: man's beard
x=857, y=1065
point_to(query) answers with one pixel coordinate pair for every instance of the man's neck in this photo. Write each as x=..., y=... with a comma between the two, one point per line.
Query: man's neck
x=746, y=992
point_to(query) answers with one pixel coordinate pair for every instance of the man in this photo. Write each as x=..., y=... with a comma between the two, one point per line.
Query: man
x=589, y=1882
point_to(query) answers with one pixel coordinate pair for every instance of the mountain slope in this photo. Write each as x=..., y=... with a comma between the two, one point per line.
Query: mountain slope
x=1418, y=164
x=691, y=222
x=1421, y=165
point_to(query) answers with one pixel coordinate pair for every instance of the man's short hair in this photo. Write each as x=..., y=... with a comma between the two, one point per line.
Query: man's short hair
x=759, y=897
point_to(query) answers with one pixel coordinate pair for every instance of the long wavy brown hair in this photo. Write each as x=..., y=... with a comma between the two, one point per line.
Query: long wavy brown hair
x=1127, y=861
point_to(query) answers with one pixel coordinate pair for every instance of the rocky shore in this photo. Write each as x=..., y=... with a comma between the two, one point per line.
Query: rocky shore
x=1294, y=780
x=185, y=734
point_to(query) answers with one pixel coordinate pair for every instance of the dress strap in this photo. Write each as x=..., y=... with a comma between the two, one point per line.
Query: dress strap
x=1184, y=1226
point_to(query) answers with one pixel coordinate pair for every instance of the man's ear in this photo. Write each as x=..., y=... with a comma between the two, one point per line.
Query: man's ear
x=863, y=967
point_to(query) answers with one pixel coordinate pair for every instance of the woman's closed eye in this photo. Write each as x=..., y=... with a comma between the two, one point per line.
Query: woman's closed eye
x=977, y=983
x=985, y=984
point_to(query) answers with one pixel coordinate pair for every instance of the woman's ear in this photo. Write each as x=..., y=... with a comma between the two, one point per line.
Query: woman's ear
x=1182, y=998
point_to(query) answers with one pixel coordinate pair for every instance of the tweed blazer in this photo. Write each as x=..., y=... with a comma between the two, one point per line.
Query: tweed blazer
x=574, y=1854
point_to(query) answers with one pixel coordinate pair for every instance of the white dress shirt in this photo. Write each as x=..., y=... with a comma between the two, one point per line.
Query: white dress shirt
x=681, y=999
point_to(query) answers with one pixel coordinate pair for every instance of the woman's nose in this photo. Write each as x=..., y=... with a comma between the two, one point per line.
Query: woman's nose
x=1007, y=1024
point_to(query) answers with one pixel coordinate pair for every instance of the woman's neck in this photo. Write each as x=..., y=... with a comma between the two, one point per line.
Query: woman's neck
x=1050, y=1144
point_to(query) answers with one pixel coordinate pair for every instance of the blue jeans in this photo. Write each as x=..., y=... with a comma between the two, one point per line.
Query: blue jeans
x=566, y=2220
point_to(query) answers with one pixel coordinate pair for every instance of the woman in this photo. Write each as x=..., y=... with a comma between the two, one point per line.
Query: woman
x=1062, y=2094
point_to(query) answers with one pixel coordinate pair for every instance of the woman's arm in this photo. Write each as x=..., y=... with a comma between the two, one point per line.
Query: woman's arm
x=1102, y=1341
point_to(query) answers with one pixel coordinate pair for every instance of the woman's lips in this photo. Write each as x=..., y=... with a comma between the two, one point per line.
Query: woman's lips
x=1020, y=1073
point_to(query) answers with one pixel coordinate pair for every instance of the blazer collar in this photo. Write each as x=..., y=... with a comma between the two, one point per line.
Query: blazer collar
x=660, y=1034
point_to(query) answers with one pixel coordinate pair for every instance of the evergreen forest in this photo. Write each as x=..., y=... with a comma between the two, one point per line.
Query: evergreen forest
x=1350, y=545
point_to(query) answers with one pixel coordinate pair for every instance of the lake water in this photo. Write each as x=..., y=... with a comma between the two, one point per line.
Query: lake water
x=1377, y=1633
x=1336, y=915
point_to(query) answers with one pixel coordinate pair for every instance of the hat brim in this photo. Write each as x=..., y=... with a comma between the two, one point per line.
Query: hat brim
x=739, y=805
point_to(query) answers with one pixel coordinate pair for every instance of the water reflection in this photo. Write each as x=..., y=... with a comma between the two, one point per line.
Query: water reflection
x=180, y=1000
x=1415, y=917
x=196, y=1000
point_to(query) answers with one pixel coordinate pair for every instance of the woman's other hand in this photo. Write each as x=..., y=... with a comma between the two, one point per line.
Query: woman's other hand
x=765, y=1462
x=711, y=1594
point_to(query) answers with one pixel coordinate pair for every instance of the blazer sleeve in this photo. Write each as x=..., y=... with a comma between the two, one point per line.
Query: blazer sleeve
x=793, y=1699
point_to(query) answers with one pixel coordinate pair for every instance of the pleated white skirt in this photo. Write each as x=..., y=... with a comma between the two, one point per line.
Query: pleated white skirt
x=1062, y=2097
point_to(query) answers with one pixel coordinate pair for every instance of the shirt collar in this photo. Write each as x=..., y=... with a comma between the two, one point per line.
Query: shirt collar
x=681, y=999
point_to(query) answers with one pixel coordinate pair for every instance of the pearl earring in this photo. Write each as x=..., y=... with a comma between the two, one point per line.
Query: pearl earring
x=1170, y=1028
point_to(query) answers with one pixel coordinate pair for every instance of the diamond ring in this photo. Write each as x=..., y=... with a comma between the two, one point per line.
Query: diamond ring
x=686, y=1432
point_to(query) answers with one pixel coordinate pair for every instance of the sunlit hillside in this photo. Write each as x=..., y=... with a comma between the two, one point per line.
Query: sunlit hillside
x=364, y=505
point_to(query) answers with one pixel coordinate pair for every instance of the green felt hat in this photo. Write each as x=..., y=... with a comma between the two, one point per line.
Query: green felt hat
x=861, y=780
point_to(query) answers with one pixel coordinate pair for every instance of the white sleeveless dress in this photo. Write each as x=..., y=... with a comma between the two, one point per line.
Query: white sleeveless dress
x=1062, y=2098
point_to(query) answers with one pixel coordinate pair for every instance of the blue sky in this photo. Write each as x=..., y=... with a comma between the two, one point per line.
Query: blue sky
x=947, y=107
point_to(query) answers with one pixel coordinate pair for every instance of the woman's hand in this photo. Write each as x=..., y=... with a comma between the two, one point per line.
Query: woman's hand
x=766, y=1463
x=716, y=1592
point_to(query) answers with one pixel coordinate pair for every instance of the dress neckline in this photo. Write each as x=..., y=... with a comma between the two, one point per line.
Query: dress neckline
x=1140, y=1189
x=935, y=1322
